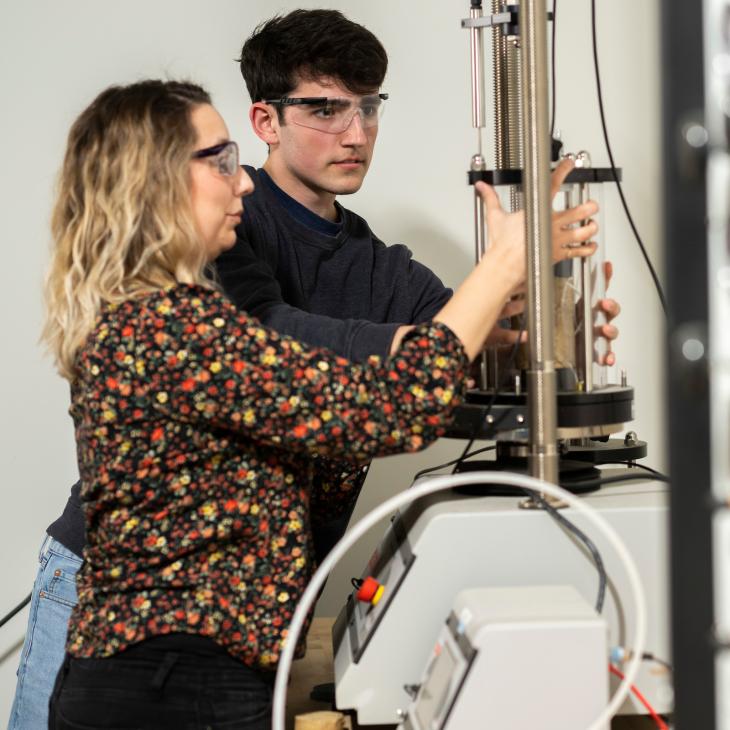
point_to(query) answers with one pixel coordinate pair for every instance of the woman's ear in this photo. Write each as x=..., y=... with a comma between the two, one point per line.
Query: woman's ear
x=265, y=122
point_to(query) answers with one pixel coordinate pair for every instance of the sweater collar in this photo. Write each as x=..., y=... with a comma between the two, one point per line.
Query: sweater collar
x=301, y=213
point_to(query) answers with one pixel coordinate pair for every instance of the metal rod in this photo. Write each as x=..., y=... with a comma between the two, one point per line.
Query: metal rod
x=477, y=71
x=476, y=53
x=486, y=372
x=480, y=232
x=542, y=386
x=586, y=307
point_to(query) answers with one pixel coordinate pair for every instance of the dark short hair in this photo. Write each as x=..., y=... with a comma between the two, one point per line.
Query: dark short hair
x=309, y=45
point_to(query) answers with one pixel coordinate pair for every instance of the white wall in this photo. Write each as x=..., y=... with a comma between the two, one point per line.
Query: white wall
x=55, y=56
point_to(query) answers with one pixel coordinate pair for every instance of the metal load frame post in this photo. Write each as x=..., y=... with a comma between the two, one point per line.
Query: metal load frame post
x=541, y=376
x=521, y=140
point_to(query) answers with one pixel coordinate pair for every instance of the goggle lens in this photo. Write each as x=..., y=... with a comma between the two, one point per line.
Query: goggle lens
x=333, y=115
x=224, y=157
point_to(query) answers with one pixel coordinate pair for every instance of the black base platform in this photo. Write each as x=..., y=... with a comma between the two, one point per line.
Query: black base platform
x=483, y=416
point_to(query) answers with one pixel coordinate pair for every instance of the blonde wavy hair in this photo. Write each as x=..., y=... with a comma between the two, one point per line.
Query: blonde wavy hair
x=122, y=224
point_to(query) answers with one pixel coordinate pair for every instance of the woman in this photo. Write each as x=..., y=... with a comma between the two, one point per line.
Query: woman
x=196, y=427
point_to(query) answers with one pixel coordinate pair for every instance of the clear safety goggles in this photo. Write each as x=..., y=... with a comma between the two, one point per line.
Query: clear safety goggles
x=332, y=114
x=223, y=156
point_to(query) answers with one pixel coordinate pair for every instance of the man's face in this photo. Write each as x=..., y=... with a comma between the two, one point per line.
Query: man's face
x=321, y=161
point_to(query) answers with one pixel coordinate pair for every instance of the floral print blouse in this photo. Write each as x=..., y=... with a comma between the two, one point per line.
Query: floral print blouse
x=195, y=429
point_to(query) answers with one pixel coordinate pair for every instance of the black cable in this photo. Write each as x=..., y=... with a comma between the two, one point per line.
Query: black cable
x=599, y=482
x=552, y=67
x=589, y=544
x=635, y=464
x=17, y=609
x=500, y=386
x=647, y=656
x=464, y=453
x=653, y=273
x=463, y=457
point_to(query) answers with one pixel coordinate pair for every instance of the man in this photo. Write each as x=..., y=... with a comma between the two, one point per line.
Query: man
x=303, y=264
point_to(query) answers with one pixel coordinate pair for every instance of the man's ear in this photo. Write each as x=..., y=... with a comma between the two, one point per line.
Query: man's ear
x=265, y=122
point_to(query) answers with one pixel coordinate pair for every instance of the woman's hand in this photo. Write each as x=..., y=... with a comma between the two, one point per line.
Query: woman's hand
x=572, y=229
x=506, y=235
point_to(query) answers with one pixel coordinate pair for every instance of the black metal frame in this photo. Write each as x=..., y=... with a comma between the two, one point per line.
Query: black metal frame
x=688, y=394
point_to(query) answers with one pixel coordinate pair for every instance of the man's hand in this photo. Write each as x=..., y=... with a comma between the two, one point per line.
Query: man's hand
x=611, y=308
x=500, y=336
x=573, y=228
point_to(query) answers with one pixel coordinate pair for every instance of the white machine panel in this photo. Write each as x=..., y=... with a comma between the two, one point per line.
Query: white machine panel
x=506, y=659
x=449, y=542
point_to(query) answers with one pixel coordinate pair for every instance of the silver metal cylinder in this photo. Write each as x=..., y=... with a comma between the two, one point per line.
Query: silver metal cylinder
x=480, y=230
x=542, y=385
x=584, y=343
x=477, y=72
x=488, y=363
x=586, y=313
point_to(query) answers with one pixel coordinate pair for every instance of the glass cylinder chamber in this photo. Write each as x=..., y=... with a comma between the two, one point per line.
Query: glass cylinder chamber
x=579, y=285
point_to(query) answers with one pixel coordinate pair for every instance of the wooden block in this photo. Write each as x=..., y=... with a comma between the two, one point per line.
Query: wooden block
x=320, y=721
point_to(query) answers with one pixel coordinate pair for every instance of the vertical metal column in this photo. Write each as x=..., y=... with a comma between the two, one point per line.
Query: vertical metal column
x=541, y=376
x=688, y=387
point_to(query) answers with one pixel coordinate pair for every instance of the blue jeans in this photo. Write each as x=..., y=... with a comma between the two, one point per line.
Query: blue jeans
x=54, y=595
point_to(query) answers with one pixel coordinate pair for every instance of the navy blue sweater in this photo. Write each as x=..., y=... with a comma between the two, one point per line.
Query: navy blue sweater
x=348, y=291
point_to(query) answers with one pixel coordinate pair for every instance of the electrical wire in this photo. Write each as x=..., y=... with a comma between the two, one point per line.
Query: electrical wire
x=652, y=712
x=618, y=655
x=500, y=386
x=589, y=544
x=461, y=458
x=653, y=273
x=635, y=464
x=17, y=609
x=617, y=479
x=556, y=515
x=464, y=453
x=438, y=484
x=648, y=657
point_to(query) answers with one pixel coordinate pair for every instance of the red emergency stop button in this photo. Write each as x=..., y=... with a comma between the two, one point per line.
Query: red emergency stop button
x=370, y=591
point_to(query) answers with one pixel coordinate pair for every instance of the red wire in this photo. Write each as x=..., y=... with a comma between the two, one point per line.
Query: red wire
x=652, y=712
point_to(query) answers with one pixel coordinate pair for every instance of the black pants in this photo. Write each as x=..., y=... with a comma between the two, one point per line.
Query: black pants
x=177, y=681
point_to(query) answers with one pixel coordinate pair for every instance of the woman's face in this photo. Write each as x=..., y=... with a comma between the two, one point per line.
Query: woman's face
x=216, y=194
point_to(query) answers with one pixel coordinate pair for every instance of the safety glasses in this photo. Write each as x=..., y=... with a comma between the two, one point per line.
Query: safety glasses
x=332, y=115
x=223, y=156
